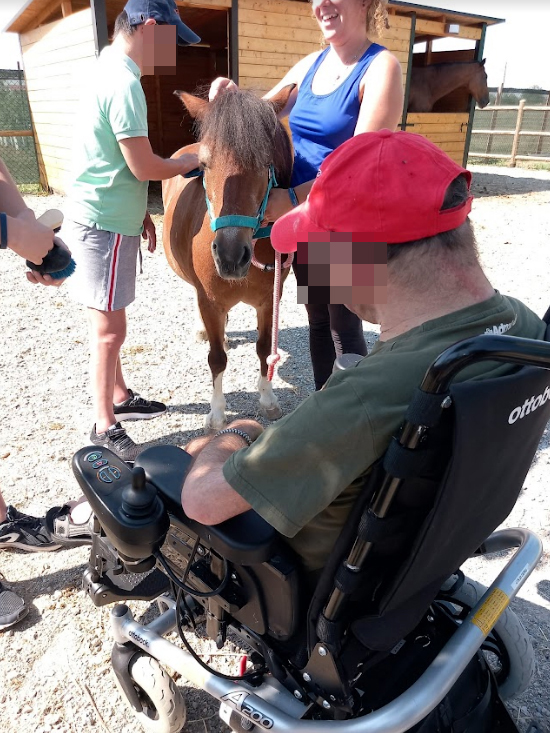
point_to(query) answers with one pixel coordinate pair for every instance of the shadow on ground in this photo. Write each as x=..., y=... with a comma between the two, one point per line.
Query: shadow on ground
x=503, y=184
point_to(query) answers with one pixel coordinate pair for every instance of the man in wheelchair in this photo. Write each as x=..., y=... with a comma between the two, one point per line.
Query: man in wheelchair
x=331, y=542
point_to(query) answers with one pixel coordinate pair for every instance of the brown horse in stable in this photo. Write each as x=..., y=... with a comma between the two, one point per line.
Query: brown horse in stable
x=430, y=83
x=211, y=222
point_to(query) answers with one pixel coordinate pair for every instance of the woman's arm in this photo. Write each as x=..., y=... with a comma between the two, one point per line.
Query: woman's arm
x=382, y=95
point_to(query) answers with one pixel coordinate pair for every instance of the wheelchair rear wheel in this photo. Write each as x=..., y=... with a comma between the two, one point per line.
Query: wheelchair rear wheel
x=164, y=709
x=508, y=648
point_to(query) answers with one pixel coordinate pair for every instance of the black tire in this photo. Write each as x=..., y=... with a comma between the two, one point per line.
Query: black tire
x=508, y=643
x=164, y=709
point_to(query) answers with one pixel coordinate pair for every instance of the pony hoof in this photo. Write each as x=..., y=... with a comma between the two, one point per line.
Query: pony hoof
x=271, y=413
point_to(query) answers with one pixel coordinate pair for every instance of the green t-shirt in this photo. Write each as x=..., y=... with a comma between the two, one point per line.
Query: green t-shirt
x=104, y=191
x=301, y=475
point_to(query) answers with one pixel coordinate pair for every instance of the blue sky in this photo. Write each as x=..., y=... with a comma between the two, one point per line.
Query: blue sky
x=521, y=43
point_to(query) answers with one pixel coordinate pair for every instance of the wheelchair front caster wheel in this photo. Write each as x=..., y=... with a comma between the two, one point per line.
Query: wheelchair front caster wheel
x=164, y=709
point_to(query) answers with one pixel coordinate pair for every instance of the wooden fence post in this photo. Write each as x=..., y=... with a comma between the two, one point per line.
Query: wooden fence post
x=515, y=144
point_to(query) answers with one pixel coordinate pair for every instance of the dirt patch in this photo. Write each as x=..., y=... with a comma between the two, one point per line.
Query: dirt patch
x=55, y=664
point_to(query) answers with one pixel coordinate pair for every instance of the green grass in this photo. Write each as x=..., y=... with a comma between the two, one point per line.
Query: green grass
x=504, y=162
x=32, y=189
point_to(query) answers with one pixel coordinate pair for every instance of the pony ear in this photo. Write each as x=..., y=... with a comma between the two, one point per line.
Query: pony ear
x=281, y=98
x=195, y=105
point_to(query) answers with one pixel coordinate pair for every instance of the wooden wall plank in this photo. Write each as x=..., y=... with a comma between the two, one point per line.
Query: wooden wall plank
x=283, y=33
x=272, y=20
x=48, y=43
x=261, y=44
x=55, y=58
x=454, y=127
x=212, y=4
x=278, y=6
x=435, y=28
x=66, y=55
x=77, y=20
x=441, y=117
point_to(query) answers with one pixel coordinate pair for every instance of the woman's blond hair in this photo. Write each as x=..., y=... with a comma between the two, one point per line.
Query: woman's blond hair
x=377, y=18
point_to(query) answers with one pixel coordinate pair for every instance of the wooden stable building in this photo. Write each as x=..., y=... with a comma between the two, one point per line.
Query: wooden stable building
x=253, y=41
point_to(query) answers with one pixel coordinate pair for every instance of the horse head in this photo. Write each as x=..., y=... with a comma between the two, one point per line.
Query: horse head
x=244, y=151
x=478, y=85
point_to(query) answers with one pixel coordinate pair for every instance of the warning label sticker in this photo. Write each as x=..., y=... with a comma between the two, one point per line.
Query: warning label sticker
x=491, y=611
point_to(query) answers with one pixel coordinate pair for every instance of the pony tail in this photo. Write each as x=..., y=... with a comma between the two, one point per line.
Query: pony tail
x=377, y=18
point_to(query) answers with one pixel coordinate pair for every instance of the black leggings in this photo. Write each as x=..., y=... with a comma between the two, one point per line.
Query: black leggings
x=333, y=330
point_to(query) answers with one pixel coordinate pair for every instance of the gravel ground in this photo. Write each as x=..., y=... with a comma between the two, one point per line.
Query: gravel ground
x=55, y=664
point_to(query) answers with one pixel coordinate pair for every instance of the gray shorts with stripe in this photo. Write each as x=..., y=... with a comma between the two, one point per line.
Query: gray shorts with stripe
x=105, y=275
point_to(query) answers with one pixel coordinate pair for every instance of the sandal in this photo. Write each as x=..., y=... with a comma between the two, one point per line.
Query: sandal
x=62, y=528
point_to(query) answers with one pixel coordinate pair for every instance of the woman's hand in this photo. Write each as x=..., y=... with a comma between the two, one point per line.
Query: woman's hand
x=278, y=204
x=221, y=84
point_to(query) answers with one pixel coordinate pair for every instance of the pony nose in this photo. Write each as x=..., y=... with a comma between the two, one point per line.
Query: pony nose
x=232, y=257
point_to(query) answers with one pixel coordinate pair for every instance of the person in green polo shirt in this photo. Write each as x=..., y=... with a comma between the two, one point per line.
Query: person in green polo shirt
x=107, y=209
x=400, y=193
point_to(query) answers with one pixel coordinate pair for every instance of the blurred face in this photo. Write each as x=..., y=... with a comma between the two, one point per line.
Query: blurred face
x=159, y=48
x=340, y=17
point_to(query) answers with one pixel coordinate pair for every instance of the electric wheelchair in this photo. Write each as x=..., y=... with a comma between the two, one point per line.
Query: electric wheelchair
x=391, y=637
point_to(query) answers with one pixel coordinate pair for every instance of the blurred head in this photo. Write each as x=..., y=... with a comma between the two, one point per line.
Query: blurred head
x=336, y=17
x=403, y=207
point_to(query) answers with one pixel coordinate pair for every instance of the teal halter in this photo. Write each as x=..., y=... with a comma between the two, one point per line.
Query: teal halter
x=236, y=220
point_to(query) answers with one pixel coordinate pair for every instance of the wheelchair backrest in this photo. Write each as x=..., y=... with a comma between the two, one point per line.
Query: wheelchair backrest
x=488, y=431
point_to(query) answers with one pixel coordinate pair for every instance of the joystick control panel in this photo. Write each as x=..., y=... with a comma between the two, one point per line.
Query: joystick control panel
x=127, y=506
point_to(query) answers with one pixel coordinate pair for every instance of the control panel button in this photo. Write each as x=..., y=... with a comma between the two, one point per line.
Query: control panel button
x=101, y=462
x=109, y=474
x=92, y=457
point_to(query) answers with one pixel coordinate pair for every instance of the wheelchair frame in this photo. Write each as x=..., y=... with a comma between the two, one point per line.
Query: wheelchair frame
x=272, y=707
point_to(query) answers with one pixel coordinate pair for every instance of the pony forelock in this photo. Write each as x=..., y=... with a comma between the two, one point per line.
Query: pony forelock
x=246, y=127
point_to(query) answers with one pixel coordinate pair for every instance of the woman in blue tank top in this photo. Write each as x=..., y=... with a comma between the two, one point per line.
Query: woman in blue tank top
x=352, y=86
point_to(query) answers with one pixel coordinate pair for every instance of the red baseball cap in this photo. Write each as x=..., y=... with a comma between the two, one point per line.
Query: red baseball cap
x=381, y=187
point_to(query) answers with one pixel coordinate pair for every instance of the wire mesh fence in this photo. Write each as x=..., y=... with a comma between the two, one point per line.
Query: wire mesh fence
x=17, y=146
x=501, y=120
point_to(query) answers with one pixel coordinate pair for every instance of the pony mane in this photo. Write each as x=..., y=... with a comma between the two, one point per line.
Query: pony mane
x=247, y=127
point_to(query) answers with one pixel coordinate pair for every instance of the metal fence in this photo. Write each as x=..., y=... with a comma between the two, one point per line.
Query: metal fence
x=516, y=126
x=17, y=146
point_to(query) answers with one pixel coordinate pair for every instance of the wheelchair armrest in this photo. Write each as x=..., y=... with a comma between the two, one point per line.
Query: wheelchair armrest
x=246, y=539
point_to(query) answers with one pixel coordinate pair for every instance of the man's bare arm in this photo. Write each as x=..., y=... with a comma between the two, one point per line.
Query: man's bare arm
x=206, y=496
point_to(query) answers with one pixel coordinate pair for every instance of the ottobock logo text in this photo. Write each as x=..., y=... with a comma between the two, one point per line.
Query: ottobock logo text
x=530, y=405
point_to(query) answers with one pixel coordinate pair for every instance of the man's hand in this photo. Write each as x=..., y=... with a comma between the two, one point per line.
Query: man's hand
x=149, y=233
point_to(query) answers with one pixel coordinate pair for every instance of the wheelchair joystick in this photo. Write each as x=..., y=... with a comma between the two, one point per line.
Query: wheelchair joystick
x=138, y=498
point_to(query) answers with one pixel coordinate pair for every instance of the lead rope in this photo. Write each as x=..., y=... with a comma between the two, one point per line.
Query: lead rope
x=274, y=357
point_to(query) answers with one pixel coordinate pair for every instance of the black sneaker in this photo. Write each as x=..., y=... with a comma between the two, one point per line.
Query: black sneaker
x=117, y=440
x=138, y=408
x=12, y=608
x=24, y=532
